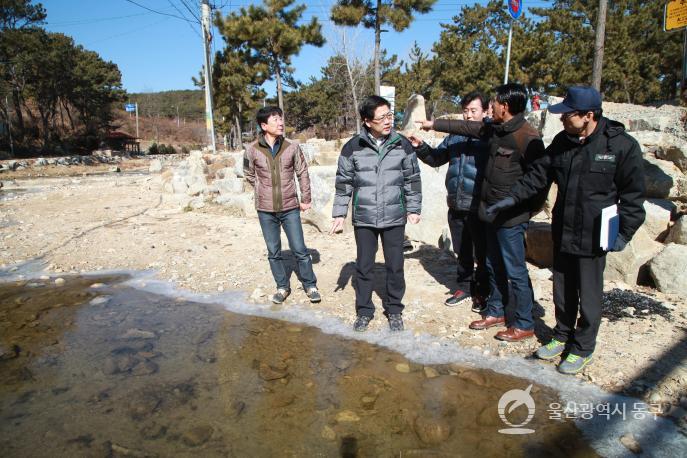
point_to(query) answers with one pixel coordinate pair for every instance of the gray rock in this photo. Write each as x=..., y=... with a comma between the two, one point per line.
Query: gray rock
x=664, y=180
x=540, y=244
x=415, y=111
x=678, y=233
x=197, y=435
x=155, y=166
x=668, y=269
x=629, y=441
x=432, y=431
x=656, y=221
x=627, y=265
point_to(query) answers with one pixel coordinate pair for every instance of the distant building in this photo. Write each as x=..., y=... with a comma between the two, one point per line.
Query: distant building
x=121, y=141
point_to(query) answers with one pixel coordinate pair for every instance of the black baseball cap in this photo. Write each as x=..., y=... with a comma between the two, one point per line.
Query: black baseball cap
x=578, y=98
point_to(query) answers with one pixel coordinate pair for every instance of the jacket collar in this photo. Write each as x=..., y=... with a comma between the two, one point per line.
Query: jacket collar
x=368, y=139
x=511, y=125
x=262, y=143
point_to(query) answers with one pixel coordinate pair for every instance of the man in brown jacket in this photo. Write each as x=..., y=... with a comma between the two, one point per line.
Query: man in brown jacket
x=513, y=145
x=269, y=165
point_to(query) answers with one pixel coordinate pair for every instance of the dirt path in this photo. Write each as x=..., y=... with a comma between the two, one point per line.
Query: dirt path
x=124, y=221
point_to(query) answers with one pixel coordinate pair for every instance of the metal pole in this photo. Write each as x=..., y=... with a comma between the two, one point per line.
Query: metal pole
x=209, y=121
x=510, y=38
x=137, y=136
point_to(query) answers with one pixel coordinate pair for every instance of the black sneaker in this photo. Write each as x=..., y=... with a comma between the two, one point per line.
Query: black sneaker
x=479, y=304
x=281, y=295
x=313, y=294
x=457, y=297
x=361, y=323
x=407, y=245
x=395, y=322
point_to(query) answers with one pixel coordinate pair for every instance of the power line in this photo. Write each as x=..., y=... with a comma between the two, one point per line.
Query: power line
x=190, y=10
x=156, y=12
x=187, y=21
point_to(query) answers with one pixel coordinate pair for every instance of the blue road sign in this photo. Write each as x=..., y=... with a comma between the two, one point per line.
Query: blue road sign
x=515, y=8
x=130, y=107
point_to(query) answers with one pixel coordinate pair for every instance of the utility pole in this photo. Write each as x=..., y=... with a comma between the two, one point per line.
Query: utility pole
x=137, y=136
x=510, y=40
x=599, y=45
x=207, y=37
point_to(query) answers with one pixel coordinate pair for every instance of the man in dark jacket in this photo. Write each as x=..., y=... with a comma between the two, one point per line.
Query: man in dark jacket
x=595, y=165
x=378, y=169
x=467, y=159
x=513, y=145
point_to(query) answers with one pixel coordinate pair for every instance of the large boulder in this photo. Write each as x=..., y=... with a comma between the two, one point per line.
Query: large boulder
x=657, y=221
x=628, y=265
x=668, y=269
x=415, y=111
x=434, y=207
x=678, y=233
x=539, y=244
x=664, y=180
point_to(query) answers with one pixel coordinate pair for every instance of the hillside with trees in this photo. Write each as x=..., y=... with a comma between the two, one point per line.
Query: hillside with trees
x=56, y=96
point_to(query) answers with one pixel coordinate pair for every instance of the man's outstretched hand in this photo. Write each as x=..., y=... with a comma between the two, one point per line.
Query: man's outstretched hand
x=425, y=125
x=415, y=141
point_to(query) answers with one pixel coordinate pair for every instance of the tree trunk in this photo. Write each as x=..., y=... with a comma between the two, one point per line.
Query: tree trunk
x=280, y=94
x=354, y=95
x=599, y=45
x=378, y=40
x=18, y=114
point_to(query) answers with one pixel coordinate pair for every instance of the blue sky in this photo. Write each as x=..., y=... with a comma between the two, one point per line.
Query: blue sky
x=155, y=52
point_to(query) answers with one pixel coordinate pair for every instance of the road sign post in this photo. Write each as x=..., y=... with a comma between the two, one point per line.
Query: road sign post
x=132, y=107
x=515, y=10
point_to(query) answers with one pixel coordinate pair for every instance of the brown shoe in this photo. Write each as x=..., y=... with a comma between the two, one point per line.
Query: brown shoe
x=487, y=322
x=514, y=334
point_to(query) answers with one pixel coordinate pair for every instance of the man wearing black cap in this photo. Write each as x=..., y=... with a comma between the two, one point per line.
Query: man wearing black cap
x=595, y=164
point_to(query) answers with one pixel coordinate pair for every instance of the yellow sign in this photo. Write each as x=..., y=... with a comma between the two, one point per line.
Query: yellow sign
x=675, y=15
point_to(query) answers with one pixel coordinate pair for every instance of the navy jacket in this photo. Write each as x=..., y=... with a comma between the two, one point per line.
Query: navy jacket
x=466, y=158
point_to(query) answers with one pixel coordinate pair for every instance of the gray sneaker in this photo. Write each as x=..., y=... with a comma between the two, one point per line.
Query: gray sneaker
x=395, y=322
x=551, y=350
x=281, y=295
x=574, y=364
x=313, y=294
x=361, y=323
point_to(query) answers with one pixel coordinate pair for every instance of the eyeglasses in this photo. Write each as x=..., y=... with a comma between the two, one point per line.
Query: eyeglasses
x=388, y=115
x=570, y=114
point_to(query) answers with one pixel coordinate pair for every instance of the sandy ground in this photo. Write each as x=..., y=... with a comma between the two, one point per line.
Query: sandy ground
x=104, y=221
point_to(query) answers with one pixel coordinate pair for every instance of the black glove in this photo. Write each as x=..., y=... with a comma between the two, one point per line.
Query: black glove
x=501, y=205
x=620, y=243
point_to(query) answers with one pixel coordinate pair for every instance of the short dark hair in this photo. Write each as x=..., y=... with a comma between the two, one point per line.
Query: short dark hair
x=475, y=95
x=515, y=95
x=264, y=113
x=370, y=104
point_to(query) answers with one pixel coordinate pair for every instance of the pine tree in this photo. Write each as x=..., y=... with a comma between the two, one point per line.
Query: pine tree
x=373, y=14
x=270, y=35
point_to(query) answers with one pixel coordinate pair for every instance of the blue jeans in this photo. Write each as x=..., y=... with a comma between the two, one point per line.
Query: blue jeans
x=270, y=223
x=506, y=263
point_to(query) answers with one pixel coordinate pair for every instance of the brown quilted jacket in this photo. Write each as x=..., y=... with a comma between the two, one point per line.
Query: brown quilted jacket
x=272, y=178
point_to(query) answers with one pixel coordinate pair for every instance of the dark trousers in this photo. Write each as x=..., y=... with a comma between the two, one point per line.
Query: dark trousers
x=366, y=244
x=506, y=264
x=469, y=240
x=577, y=289
x=271, y=224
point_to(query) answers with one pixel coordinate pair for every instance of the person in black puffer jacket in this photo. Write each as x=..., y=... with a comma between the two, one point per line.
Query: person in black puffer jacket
x=466, y=158
x=595, y=165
